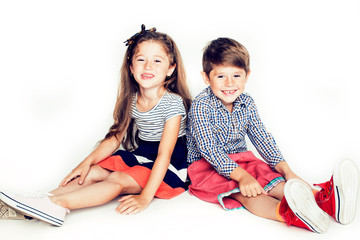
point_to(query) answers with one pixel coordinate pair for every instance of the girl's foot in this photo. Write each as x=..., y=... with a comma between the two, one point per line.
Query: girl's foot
x=8, y=213
x=39, y=207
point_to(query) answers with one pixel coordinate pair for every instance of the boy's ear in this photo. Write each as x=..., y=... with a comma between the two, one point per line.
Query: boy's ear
x=205, y=78
x=247, y=75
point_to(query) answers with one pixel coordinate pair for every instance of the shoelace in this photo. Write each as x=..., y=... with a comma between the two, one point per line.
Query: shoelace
x=326, y=189
x=35, y=194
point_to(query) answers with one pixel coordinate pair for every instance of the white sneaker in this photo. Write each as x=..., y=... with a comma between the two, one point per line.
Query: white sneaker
x=301, y=201
x=39, y=207
x=8, y=213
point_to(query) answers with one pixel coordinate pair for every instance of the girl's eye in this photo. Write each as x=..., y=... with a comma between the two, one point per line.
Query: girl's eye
x=157, y=61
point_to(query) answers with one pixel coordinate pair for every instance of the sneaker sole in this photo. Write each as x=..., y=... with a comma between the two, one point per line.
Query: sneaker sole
x=29, y=211
x=9, y=213
x=301, y=201
x=346, y=187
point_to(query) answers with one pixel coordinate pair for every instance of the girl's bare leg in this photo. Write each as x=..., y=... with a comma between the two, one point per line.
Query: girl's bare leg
x=96, y=174
x=98, y=193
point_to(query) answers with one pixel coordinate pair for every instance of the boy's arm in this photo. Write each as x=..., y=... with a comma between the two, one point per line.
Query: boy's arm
x=263, y=141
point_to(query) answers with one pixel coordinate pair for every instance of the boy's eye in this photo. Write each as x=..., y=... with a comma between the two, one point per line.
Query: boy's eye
x=157, y=60
x=237, y=75
x=220, y=76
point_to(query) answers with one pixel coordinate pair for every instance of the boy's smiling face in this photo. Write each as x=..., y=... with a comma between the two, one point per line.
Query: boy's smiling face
x=227, y=83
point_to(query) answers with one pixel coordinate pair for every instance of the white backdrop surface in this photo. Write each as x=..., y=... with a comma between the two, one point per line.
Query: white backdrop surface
x=59, y=71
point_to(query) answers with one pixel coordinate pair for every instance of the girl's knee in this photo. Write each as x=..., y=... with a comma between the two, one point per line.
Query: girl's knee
x=127, y=183
x=97, y=174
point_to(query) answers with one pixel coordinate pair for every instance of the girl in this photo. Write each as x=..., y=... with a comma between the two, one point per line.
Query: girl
x=149, y=122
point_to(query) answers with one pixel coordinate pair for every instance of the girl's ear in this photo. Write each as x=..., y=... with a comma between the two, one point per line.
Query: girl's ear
x=171, y=70
x=131, y=69
x=205, y=78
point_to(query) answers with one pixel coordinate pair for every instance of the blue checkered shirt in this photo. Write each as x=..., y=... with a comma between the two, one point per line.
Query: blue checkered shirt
x=213, y=132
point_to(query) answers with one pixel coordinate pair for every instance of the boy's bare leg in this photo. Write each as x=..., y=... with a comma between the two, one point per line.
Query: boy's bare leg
x=263, y=205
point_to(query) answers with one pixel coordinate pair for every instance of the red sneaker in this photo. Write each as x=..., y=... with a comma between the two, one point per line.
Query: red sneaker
x=298, y=208
x=338, y=197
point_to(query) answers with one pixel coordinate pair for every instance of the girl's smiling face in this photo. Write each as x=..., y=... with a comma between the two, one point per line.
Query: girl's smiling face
x=150, y=65
x=227, y=83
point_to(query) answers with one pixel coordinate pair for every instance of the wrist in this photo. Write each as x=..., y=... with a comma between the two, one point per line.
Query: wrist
x=237, y=174
x=283, y=168
x=147, y=196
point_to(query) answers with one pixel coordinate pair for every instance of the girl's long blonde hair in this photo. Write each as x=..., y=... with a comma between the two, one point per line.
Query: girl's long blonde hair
x=128, y=87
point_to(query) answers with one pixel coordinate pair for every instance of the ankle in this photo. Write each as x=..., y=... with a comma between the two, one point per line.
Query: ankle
x=59, y=201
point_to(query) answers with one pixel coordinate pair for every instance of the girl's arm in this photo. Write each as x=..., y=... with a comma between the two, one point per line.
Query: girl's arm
x=105, y=149
x=132, y=204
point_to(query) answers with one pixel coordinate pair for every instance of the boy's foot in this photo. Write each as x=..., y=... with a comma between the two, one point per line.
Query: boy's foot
x=8, y=213
x=39, y=207
x=338, y=197
x=298, y=208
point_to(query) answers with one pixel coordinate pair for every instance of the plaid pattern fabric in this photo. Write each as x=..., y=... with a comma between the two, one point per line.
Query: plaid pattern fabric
x=213, y=132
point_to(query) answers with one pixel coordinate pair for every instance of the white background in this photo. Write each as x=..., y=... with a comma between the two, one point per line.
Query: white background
x=59, y=71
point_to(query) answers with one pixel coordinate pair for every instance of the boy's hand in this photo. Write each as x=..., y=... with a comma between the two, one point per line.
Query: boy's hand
x=248, y=185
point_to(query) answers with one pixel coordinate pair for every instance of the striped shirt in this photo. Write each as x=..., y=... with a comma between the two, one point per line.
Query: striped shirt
x=213, y=132
x=151, y=123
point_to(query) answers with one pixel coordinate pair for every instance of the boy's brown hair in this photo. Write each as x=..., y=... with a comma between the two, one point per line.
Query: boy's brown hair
x=225, y=51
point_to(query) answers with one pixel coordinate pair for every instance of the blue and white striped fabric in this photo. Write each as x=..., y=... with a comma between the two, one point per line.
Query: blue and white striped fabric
x=213, y=132
x=151, y=123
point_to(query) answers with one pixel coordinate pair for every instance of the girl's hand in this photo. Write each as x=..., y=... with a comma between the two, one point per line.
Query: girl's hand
x=250, y=187
x=132, y=204
x=81, y=171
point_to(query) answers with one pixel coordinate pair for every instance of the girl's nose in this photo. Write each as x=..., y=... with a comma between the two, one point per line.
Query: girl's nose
x=148, y=65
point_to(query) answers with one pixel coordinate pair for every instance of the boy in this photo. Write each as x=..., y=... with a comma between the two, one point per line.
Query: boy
x=223, y=171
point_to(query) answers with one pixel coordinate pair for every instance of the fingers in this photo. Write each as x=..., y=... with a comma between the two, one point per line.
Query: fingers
x=252, y=190
x=130, y=205
x=81, y=172
x=68, y=179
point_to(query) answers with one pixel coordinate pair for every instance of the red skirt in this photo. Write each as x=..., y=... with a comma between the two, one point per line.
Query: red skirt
x=209, y=186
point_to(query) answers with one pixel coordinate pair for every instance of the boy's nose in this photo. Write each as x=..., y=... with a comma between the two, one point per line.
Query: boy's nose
x=229, y=81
